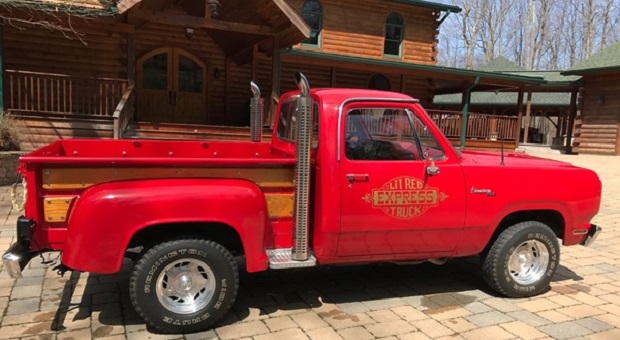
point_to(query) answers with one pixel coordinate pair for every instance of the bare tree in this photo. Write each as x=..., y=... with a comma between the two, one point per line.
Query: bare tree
x=493, y=38
x=537, y=34
x=61, y=16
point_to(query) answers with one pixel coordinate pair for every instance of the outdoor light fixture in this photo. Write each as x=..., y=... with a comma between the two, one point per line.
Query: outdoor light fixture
x=189, y=32
x=216, y=73
x=214, y=7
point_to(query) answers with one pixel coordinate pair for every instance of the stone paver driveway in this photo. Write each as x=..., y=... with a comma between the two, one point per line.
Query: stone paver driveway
x=356, y=302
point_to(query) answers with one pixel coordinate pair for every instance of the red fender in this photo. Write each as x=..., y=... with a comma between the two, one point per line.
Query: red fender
x=106, y=216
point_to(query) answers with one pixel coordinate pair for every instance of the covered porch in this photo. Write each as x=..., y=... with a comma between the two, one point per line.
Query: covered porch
x=161, y=62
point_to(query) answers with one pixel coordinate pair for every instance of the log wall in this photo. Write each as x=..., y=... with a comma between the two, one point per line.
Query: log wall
x=357, y=28
x=93, y=52
x=601, y=115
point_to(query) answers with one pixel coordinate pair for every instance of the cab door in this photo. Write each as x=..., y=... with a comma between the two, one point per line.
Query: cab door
x=390, y=205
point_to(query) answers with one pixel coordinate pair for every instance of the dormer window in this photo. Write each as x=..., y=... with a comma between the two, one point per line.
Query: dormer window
x=312, y=12
x=394, y=32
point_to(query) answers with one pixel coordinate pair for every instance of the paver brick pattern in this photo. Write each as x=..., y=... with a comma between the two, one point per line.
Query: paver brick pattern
x=349, y=302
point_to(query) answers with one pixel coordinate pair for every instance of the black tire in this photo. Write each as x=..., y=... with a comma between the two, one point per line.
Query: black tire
x=184, y=286
x=529, y=244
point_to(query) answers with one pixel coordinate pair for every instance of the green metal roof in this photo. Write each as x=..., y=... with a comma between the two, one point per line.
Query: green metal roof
x=501, y=64
x=505, y=99
x=429, y=4
x=505, y=66
x=552, y=77
x=607, y=59
x=421, y=67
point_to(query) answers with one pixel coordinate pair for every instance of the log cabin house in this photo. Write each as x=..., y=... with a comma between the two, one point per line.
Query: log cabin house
x=600, y=118
x=181, y=68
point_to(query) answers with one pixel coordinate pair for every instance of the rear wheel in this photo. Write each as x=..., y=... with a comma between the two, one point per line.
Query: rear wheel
x=184, y=286
x=523, y=260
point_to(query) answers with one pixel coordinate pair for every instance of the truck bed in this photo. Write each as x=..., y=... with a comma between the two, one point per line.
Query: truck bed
x=160, y=152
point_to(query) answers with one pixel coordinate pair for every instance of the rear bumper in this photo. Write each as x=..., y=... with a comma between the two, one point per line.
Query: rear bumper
x=592, y=235
x=16, y=258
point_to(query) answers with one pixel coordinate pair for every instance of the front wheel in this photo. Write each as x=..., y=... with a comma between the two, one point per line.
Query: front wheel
x=184, y=286
x=523, y=260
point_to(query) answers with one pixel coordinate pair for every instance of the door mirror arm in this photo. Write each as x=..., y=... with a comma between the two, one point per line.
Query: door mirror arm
x=431, y=169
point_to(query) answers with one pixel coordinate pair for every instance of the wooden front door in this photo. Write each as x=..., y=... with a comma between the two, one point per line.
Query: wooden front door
x=171, y=87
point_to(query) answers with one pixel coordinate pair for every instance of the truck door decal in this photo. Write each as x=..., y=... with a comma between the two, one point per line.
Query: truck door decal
x=405, y=197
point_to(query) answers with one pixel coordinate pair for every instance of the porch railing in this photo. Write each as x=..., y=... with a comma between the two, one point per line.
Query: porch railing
x=123, y=115
x=64, y=94
x=479, y=126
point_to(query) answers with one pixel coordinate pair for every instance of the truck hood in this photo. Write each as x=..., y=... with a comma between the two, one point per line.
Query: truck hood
x=510, y=159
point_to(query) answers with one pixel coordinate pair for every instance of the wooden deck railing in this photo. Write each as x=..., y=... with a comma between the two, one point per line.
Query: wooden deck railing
x=479, y=126
x=59, y=93
x=123, y=115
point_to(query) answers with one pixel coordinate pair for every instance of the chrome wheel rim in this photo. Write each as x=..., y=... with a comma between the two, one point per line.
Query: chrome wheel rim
x=528, y=262
x=185, y=286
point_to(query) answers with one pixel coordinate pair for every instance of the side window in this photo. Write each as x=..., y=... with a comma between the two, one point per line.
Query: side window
x=394, y=33
x=312, y=12
x=379, y=82
x=429, y=145
x=381, y=134
x=287, y=122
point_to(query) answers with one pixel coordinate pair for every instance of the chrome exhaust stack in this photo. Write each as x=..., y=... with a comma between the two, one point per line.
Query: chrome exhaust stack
x=300, y=251
x=256, y=114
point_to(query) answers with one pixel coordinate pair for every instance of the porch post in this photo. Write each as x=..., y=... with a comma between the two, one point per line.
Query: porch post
x=467, y=100
x=227, y=90
x=571, y=121
x=528, y=110
x=1, y=71
x=131, y=59
x=254, y=62
x=275, y=82
x=519, y=117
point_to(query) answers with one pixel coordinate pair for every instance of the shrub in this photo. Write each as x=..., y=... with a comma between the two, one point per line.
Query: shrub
x=9, y=133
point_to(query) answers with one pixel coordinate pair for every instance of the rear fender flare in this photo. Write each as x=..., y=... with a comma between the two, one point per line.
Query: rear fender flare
x=106, y=216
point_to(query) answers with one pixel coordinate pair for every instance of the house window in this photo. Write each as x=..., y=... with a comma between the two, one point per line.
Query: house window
x=379, y=82
x=394, y=32
x=313, y=15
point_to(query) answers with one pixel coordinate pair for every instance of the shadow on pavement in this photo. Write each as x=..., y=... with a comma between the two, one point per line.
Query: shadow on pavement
x=352, y=289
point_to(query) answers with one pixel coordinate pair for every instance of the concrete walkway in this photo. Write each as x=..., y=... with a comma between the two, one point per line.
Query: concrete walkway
x=380, y=301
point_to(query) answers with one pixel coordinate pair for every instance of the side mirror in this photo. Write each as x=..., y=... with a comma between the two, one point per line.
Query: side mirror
x=431, y=169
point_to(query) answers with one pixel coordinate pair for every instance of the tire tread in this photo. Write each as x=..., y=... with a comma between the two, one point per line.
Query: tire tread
x=139, y=266
x=492, y=257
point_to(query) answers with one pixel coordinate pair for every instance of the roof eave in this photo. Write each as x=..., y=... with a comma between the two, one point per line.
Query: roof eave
x=439, y=69
x=584, y=71
x=429, y=4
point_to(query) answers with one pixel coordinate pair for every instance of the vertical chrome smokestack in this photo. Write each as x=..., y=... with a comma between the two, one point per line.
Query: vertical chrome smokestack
x=256, y=114
x=300, y=251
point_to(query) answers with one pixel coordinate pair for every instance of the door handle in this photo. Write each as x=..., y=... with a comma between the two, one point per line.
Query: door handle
x=358, y=177
x=175, y=98
x=170, y=98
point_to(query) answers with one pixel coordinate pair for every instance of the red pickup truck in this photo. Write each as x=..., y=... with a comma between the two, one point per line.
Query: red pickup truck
x=349, y=176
